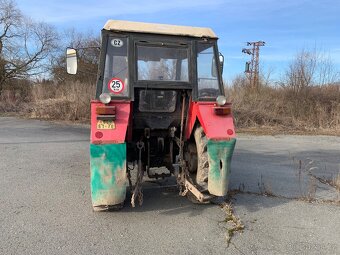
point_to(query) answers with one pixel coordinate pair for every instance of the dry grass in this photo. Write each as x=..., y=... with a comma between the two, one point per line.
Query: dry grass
x=14, y=97
x=63, y=102
x=66, y=101
x=268, y=108
x=265, y=187
x=234, y=224
x=336, y=182
x=10, y=102
x=313, y=170
x=312, y=109
x=315, y=109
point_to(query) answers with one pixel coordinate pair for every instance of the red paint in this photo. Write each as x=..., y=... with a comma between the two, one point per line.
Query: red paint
x=116, y=135
x=215, y=126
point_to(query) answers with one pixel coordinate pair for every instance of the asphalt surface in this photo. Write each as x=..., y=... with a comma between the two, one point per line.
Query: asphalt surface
x=45, y=205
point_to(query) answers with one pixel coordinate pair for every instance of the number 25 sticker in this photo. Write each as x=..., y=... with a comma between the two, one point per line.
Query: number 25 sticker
x=116, y=85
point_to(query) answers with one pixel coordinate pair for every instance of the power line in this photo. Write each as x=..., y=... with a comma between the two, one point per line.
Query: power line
x=252, y=67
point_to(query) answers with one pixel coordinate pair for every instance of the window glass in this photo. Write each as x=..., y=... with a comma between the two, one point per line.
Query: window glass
x=162, y=63
x=208, y=85
x=116, y=67
x=157, y=100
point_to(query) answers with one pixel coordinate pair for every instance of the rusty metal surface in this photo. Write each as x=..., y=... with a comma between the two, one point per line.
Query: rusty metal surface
x=152, y=28
x=219, y=157
x=108, y=174
x=189, y=187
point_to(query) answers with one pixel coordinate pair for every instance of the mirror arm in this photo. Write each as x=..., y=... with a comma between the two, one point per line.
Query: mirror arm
x=85, y=48
x=221, y=63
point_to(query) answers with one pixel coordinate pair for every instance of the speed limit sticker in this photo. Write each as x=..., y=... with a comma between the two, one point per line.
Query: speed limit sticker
x=116, y=85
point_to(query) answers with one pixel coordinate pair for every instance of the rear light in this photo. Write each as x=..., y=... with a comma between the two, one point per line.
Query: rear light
x=106, y=112
x=230, y=132
x=222, y=110
x=98, y=134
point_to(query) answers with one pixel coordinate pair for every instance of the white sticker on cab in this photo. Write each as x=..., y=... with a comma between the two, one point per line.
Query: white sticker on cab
x=117, y=43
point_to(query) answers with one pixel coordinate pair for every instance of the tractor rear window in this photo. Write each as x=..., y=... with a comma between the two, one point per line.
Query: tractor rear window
x=156, y=63
x=157, y=100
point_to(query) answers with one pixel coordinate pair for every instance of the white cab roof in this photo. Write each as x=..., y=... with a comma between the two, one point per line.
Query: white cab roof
x=152, y=28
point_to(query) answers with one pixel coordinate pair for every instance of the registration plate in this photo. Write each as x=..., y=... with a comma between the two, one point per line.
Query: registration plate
x=106, y=124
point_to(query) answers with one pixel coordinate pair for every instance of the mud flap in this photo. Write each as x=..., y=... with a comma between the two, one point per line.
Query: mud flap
x=108, y=175
x=219, y=157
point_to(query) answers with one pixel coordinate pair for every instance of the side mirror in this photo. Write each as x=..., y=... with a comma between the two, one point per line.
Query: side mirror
x=71, y=61
x=221, y=59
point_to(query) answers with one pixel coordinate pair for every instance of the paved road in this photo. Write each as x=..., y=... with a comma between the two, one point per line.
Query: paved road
x=45, y=203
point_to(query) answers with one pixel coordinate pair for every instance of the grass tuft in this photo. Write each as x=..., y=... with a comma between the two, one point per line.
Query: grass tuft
x=234, y=224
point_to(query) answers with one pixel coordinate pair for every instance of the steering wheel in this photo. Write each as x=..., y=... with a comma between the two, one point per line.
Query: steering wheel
x=207, y=92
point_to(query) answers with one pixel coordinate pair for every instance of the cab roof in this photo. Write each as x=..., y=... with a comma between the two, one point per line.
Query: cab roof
x=153, y=28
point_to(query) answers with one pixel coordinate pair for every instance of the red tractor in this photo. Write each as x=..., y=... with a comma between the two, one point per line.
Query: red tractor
x=159, y=103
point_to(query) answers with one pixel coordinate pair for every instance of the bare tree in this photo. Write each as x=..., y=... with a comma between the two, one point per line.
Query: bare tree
x=326, y=72
x=88, y=57
x=25, y=45
x=310, y=68
x=301, y=71
x=266, y=76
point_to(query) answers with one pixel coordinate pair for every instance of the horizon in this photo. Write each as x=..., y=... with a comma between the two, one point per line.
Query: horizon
x=287, y=27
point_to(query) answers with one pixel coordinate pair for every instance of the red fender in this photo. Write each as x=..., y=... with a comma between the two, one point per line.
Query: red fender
x=117, y=135
x=217, y=127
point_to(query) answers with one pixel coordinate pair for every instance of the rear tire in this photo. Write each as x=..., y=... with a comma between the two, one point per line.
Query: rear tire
x=191, y=157
x=202, y=158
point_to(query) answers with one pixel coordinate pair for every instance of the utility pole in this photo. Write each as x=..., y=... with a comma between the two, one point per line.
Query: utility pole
x=252, y=67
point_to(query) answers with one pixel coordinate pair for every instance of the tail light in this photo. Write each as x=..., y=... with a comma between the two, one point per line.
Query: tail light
x=98, y=134
x=222, y=110
x=106, y=112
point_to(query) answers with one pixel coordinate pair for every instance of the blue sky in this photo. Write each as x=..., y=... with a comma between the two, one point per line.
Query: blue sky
x=286, y=26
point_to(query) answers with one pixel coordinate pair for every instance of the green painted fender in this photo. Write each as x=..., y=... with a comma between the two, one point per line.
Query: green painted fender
x=108, y=174
x=219, y=158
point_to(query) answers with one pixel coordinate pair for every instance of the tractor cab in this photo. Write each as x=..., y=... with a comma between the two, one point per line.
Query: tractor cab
x=159, y=103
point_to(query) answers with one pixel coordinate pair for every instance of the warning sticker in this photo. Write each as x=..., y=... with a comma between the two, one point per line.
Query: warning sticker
x=116, y=85
x=108, y=124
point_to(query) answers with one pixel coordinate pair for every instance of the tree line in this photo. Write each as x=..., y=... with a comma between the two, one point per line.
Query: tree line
x=31, y=49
